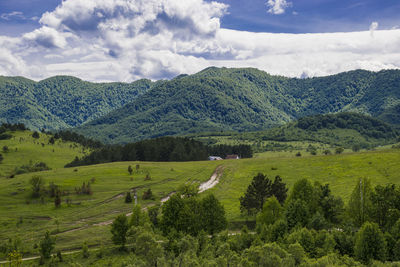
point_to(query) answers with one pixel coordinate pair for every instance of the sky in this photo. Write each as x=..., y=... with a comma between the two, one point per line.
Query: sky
x=126, y=40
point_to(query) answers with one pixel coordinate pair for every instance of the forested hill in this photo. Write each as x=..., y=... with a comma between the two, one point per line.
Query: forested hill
x=62, y=101
x=222, y=99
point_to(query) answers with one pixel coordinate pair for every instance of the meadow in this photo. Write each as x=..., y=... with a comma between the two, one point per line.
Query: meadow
x=88, y=217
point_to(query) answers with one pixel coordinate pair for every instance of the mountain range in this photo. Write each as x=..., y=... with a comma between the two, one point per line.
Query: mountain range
x=62, y=101
x=215, y=99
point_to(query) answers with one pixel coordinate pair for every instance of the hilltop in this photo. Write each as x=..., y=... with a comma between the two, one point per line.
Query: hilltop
x=62, y=101
x=222, y=99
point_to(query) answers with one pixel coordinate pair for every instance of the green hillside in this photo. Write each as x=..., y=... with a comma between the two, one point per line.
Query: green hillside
x=62, y=101
x=24, y=150
x=348, y=130
x=88, y=217
x=222, y=99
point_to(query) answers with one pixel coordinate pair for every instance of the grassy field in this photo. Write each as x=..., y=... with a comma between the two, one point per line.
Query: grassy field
x=88, y=217
x=23, y=149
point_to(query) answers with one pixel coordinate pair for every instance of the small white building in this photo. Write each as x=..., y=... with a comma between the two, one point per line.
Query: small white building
x=214, y=158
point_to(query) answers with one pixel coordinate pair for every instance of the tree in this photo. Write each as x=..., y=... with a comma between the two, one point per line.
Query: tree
x=213, y=215
x=35, y=135
x=279, y=190
x=119, y=228
x=360, y=206
x=271, y=212
x=304, y=190
x=5, y=149
x=257, y=192
x=297, y=213
x=128, y=197
x=57, y=200
x=385, y=205
x=130, y=170
x=1, y=158
x=339, y=150
x=85, y=250
x=138, y=217
x=370, y=243
x=37, y=183
x=46, y=246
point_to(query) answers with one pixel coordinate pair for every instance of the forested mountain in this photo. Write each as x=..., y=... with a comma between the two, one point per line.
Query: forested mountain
x=222, y=99
x=345, y=129
x=62, y=101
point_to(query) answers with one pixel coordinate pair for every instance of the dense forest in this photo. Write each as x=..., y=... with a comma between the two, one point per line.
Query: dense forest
x=344, y=129
x=161, y=149
x=222, y=99
x=215, y=99
x=62, y=101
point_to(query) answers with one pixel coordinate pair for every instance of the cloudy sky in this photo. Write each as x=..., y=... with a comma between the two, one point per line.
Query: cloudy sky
x=124, y=40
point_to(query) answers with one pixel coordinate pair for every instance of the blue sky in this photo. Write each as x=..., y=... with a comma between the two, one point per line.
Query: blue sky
x=302, y=16
x=125, y=40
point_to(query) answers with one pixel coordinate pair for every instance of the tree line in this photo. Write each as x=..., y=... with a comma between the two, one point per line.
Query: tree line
x=160, y=149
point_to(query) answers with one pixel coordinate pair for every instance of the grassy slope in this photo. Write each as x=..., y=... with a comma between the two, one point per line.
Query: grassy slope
x=80, y=221
x=23, y=148
x=340, y=171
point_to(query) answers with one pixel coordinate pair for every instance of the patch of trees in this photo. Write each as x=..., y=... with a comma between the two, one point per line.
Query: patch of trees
x=31, y=167
x=77, y=138
x=244, y=151
x=365, y=125
x=159, y=149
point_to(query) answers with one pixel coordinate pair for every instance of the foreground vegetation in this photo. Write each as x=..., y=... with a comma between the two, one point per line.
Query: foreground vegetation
x=79, y=205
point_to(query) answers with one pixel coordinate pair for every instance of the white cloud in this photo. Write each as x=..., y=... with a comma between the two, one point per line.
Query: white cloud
x=12, y=15
x=124, y=40
x=373, y=27
x=278, y=7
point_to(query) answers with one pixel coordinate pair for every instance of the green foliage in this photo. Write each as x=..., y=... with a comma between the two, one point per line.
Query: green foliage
x=138, y=217
x=159, y=149
x=128, y=197
x=370, y=243
x=191, y=215
x=271, y=212
x=37, y=184
x=119, y=229
x=212, y=214
x=36, y=135
x=130, y=170
x=260, y=189
x=360, y=205
x=85, y=250
x=247, y=100
x=46, y=246
x=62, y=101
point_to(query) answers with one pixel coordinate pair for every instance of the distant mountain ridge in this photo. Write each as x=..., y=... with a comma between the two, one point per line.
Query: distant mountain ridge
x=62, y=101
x=223, y=99
x=215, y=99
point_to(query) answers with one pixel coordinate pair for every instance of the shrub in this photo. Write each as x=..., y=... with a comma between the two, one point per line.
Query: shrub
x=148, y=195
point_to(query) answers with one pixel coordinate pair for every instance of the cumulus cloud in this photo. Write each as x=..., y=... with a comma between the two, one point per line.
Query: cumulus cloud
x=124, y=40
x=278, y=7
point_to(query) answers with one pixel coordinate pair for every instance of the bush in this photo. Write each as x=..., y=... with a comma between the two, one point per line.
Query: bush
x=128, y=198
x=1, y=158
x=339, y=150
x=148, y=195
x=35, y=135
x=37, y=184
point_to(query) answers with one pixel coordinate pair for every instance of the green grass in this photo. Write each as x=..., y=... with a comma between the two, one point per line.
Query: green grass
x=340, y=171
x=23, y=149
x=87, y=217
